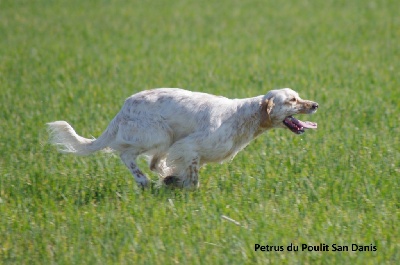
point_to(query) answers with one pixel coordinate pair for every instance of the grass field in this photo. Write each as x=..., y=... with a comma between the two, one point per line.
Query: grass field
x=78, y=60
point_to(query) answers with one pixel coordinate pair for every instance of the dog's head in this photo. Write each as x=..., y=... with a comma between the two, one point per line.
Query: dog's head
x=279, y=106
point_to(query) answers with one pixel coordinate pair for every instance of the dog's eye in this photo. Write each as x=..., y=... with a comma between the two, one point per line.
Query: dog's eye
x=293, y=100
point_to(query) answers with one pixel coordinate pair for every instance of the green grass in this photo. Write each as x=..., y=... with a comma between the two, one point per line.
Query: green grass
x=78, y=60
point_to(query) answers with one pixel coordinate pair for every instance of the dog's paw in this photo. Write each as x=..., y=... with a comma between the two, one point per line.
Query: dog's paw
x=171, y=180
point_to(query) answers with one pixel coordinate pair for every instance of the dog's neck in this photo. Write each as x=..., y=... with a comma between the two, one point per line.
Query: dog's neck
x=253, y=118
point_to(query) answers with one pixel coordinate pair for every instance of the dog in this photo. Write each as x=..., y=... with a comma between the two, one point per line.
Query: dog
x=180, y=131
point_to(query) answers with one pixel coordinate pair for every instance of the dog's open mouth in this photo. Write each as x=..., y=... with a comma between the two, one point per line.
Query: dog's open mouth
x=298, y=126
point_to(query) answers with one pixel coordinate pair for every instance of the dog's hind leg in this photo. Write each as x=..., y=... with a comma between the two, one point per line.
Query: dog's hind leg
x=146, y=136
x=129, y=160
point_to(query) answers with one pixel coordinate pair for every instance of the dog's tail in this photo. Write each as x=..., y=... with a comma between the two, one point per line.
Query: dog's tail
x=68, y=141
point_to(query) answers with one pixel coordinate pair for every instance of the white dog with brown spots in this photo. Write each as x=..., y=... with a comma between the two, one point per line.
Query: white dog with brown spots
x=180, y=131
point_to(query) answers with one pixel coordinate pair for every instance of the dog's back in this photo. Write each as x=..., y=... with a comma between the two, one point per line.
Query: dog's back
x=184, y=111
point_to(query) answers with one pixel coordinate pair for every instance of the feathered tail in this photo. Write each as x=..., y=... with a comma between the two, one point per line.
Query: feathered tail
x=68, y=141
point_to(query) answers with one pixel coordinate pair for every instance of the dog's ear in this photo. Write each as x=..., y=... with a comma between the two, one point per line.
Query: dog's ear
x=266, y=109
x=270, y=105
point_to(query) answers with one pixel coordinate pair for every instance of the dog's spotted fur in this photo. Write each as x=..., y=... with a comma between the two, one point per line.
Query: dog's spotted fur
x=180, y=131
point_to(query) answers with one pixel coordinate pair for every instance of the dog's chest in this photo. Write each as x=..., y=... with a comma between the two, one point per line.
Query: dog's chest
x=225, y=147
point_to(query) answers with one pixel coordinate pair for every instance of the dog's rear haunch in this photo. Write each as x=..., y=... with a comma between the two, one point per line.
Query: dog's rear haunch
x=180, y=131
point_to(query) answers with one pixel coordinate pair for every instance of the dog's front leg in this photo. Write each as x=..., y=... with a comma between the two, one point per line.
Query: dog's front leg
x=191, y=179
x=184, y=162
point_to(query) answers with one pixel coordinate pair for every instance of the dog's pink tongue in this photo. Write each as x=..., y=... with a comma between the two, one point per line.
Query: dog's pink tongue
x=308, y=124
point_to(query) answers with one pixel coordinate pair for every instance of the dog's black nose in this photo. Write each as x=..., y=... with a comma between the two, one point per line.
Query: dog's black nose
x=314, y=106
